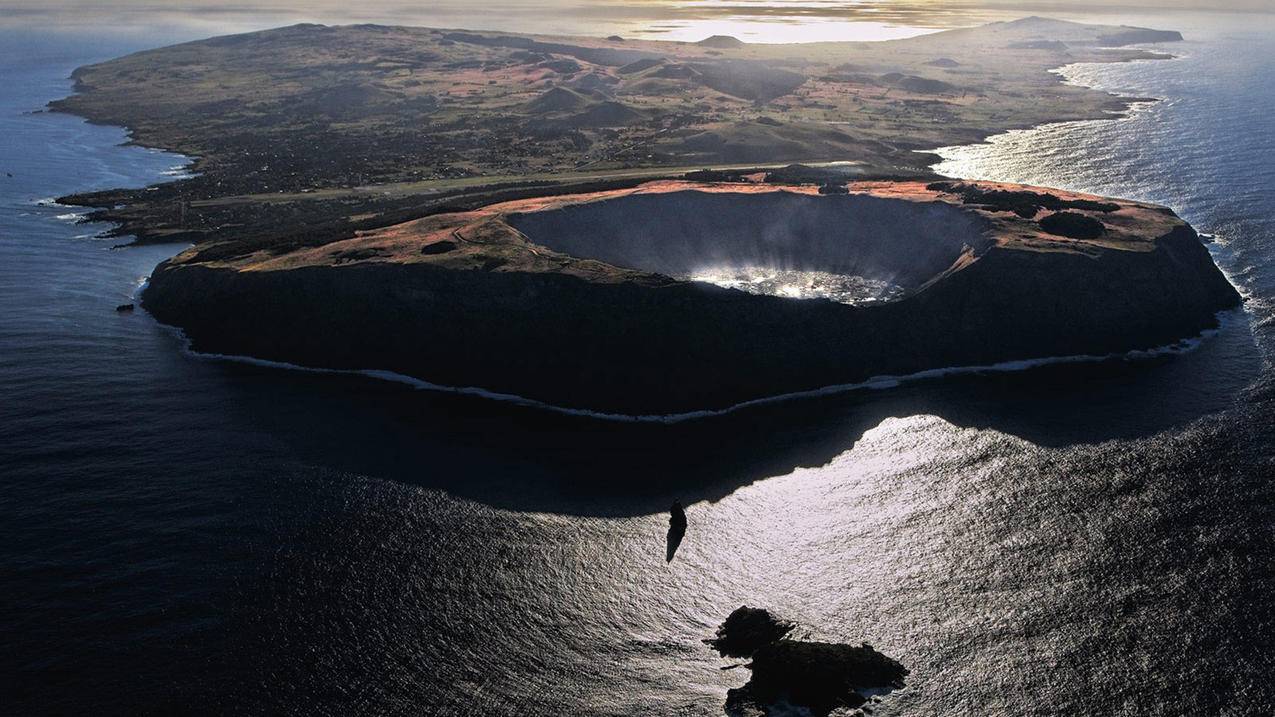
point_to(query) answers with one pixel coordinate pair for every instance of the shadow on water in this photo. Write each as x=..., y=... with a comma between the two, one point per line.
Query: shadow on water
x=533, y=460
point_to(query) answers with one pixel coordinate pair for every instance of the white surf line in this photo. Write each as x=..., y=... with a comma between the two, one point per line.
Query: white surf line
x=136, y=293
x=1224, y=319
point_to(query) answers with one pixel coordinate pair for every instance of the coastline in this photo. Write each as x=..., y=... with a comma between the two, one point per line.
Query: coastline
x=1132, y=104
x=1129, y=105
x=1126, y=104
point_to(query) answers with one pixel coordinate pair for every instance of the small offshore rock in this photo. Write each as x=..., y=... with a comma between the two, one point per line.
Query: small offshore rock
x=818, y=677
x=747, y=630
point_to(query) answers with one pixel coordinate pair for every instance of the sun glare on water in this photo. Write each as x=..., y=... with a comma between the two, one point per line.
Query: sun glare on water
x=798, y=284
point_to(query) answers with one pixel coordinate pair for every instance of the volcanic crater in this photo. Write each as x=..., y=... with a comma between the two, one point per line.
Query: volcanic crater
x=852, y=248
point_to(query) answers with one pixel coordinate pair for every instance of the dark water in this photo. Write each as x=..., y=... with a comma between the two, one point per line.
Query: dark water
x=184, y=535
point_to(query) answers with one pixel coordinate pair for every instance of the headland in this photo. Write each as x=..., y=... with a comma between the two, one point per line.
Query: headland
x=590, y=301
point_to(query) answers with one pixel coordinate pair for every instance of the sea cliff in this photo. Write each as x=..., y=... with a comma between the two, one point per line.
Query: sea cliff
x=468, y=301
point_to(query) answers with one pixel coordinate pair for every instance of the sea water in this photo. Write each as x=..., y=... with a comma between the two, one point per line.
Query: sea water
x=187, y=535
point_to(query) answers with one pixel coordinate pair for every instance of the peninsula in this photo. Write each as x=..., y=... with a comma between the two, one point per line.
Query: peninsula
x=632, y=227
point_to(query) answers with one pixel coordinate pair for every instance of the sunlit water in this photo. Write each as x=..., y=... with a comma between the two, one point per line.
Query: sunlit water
x=799, y=284
x=182, y=535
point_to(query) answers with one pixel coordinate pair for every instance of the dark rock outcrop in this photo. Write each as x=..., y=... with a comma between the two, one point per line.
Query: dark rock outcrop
x=747, y=630
x=819, y=676
x=816, y=676
x=1024, y=203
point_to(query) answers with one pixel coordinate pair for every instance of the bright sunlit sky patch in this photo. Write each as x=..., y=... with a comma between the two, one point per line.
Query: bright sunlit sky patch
x=787, y=21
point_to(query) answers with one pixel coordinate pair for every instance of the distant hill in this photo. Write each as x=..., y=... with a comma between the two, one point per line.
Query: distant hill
x=919, y=85
x=640, y=65
x=558, y=99
x=593, y=82
x=721, y=42
x=562, y=66
x=676, y=72
x=606, y=114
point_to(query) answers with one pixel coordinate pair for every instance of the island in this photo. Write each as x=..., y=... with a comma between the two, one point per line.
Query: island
x=633, y=228
x=303, y=133
x=790, y=674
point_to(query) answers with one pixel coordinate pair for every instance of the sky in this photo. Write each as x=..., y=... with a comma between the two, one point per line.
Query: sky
x=751, y=20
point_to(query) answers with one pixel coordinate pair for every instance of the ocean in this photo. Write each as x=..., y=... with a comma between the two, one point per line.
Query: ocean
x=187, y=535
